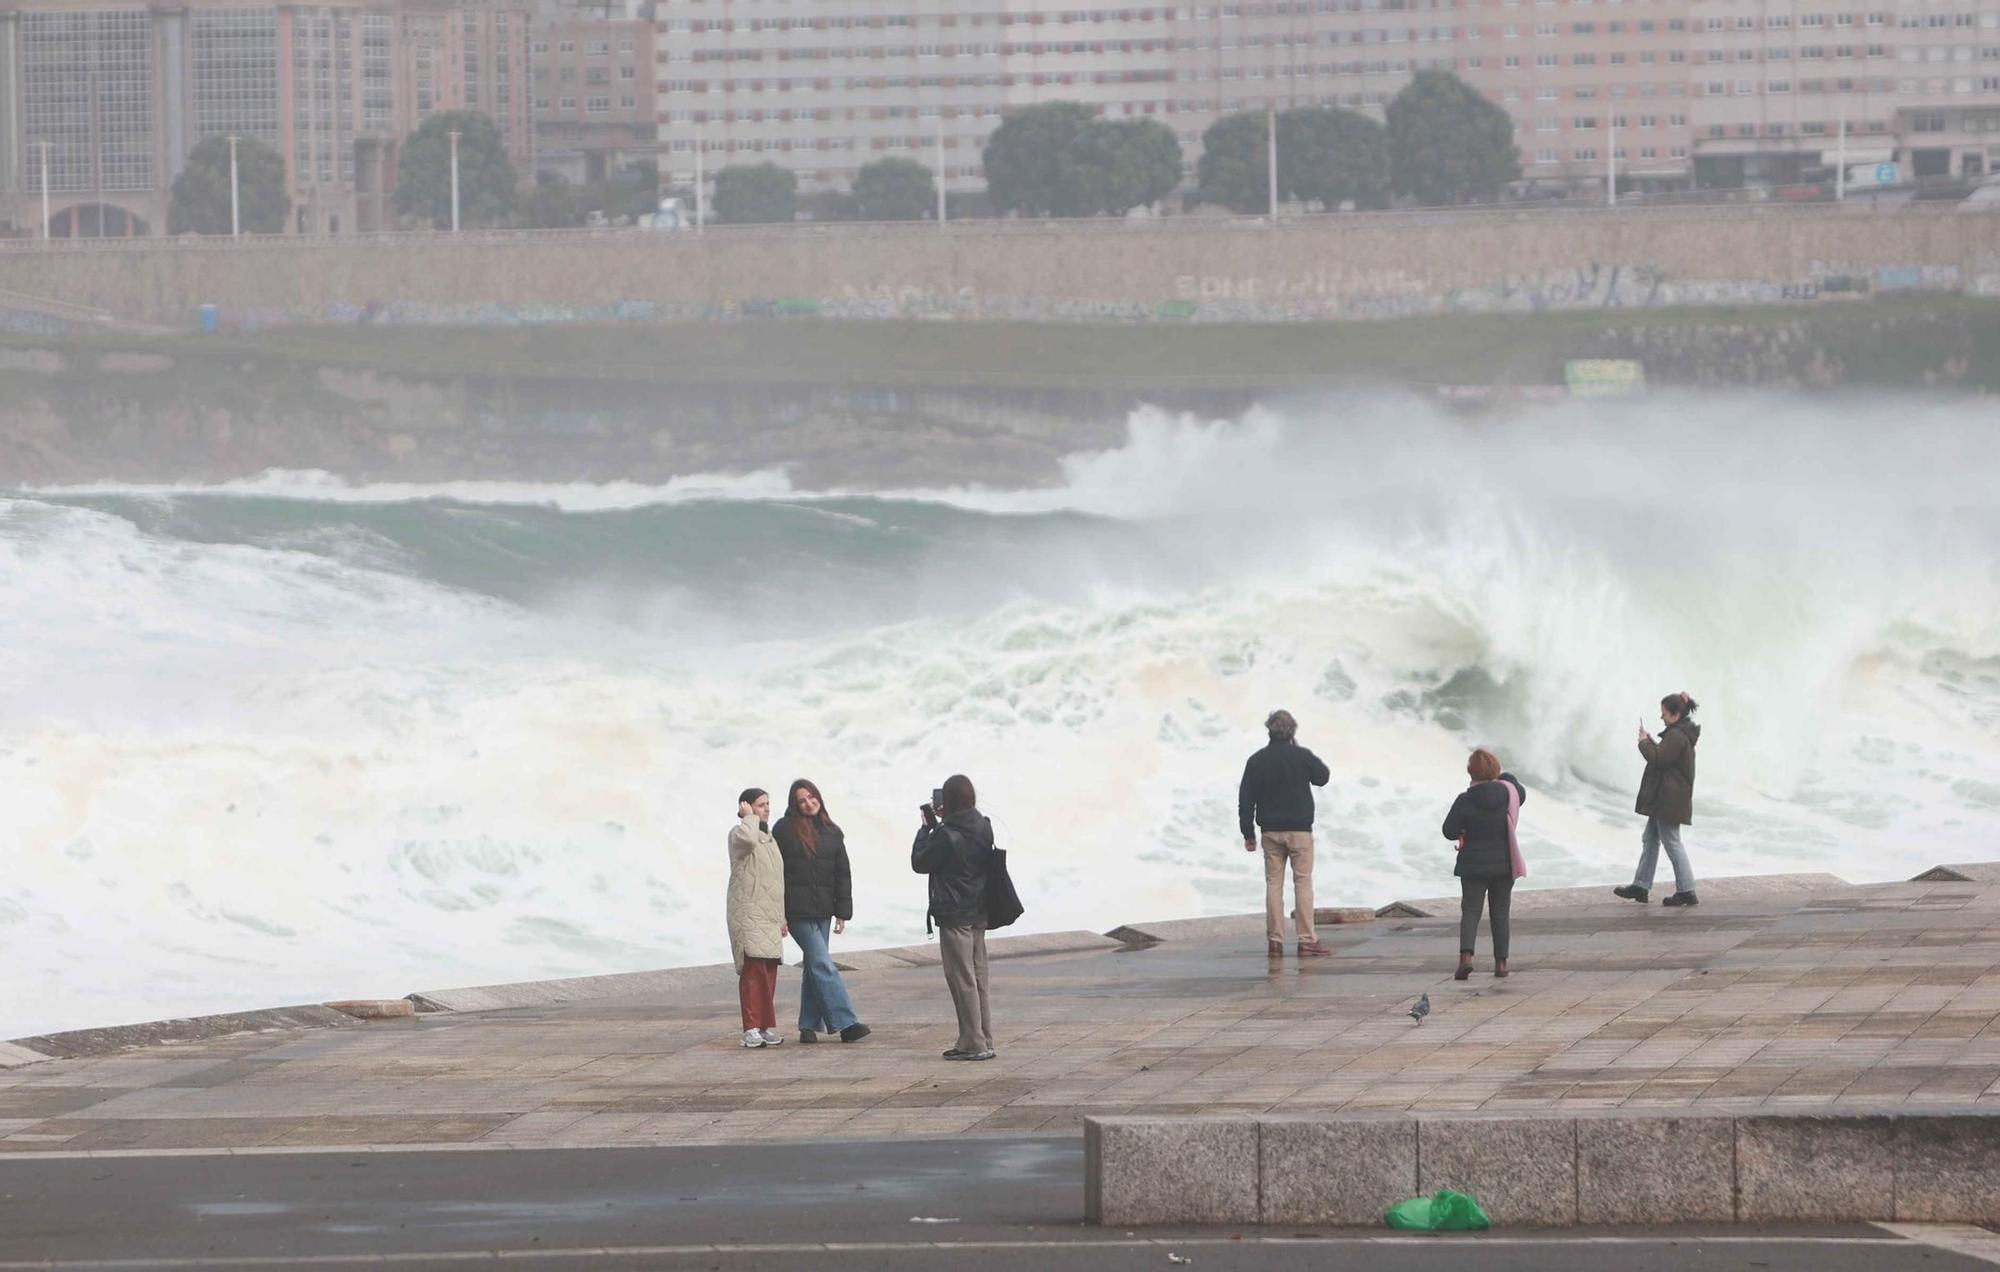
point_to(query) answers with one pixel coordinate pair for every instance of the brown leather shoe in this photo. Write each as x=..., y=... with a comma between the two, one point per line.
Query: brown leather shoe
x=1500, y=967
x=1277, y=949
x=1314, y=949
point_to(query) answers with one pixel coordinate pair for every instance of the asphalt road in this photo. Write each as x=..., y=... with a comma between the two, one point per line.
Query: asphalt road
x=971, y=1204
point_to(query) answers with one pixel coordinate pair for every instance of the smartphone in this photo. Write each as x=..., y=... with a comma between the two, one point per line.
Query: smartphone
x=937, y=798
x=929, y=814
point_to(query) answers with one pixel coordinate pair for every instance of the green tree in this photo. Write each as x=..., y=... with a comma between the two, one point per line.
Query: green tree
x=552, y=204
x=1235, y=166
x=1059, y=159
x=200, y=199
x=1026, y=161
x=1448, y=142
x=487, y=189
x=756, y=194
x=1329, y=156
x=894, y=190
x=1126, y=164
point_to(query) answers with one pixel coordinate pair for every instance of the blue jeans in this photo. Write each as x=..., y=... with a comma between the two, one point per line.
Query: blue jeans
x=823, y=1005
x=1659, y=834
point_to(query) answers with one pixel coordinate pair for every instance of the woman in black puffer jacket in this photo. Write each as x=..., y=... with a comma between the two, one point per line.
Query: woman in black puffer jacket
x=1482, y=820
x=819, y=900
x=957, y=853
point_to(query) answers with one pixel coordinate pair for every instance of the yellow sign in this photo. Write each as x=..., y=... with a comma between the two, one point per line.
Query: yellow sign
x=1604, y=377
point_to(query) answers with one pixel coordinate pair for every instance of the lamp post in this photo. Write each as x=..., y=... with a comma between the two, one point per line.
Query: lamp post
x=940, y=167
x=235, y=201
x=1611, y=165
x=1840, y=159
x=700, y=196
x=1271, y=159
x=453, y=134
x=46, y=228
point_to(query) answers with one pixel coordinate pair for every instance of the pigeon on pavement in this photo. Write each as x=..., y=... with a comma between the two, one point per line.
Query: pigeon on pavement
x=1422, y=1009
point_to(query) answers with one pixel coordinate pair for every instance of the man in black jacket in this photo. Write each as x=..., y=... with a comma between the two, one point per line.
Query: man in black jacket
x=1276, y=795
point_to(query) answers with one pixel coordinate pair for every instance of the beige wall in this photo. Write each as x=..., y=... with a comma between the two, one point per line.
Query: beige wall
x=1349, y=267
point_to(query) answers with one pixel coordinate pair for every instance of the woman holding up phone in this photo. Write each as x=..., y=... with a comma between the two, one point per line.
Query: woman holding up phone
x=1666, y=800
x=819, y=896
x=955, y=848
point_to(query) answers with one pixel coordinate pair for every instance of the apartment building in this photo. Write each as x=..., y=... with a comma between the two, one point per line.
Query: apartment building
x=1776, y=82
x=593, y=86
x=1716, y=92
x=825, y=86
x=109, y=101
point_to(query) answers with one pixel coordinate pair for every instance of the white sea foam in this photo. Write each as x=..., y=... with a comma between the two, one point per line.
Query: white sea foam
x=295, y=766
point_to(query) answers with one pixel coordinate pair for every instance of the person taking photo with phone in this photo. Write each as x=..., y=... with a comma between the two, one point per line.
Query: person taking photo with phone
x=1666, y=800
x=955, y=848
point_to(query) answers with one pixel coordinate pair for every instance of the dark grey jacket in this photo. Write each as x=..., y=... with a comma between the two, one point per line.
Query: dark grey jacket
x=955, y=853
x=1480, y=814
x=1276, y=791
x=1666, y=791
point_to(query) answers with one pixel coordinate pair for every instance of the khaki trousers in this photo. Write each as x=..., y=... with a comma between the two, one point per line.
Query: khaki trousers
x=964, y=951
x=1295, y=846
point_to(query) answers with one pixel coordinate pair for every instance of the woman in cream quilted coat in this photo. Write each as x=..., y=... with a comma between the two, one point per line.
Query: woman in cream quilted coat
x=756, y=917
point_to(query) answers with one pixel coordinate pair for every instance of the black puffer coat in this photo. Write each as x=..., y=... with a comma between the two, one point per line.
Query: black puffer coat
x=818, y=885
x=1667, y=789
x=955, y=853
x=1480, y=814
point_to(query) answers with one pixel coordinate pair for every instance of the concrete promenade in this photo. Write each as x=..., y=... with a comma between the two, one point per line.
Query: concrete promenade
x=1784, y=993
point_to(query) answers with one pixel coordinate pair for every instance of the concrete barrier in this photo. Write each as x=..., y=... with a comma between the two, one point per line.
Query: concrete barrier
x=1937, y=1166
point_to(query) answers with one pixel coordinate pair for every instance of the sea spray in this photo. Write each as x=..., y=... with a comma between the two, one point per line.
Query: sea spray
x=293, y=739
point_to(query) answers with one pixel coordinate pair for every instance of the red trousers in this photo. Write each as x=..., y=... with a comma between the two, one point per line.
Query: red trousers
x=757, y=987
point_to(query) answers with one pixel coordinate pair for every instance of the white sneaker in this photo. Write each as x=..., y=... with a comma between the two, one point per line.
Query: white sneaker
x=772, y=1038
x=753, y=1038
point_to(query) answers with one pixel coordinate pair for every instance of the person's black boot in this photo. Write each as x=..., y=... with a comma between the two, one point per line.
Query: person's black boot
x=1631, y=892
x=1682, y=898
x=854, y=1033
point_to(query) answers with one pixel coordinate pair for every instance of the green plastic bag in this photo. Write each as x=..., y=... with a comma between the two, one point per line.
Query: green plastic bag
x=1447, y=1212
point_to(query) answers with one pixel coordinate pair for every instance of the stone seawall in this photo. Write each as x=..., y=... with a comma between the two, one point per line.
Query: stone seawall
x=1315, y=268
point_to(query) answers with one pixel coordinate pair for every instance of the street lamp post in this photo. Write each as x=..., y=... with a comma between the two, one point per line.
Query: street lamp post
x=700, y=196
x=235, y=201
x=940, y=168
x=1611, y=165
x=1840, y=160
x=453, y=134
x=1271, y=159
x=47, y=228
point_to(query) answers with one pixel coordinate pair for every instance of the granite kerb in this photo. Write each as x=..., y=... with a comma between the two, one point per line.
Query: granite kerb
x=110, y=1040
x=1610, y=1166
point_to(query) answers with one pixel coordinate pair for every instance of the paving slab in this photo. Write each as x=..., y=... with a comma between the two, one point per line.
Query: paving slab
x=1812, y=995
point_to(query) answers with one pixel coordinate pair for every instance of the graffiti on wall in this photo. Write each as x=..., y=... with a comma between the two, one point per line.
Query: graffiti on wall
x=1322, y=295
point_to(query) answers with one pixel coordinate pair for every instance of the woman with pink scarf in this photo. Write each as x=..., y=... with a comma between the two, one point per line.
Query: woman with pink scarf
x=1482, y=821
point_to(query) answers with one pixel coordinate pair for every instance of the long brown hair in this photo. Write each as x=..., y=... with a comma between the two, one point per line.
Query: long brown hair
x=808, y=827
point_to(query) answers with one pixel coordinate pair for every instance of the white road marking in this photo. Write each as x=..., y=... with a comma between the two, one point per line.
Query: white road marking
x=939, y=1247
x=1959, y=1238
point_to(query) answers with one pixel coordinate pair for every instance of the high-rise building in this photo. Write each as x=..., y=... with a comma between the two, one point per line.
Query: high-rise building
x=824, y=88
x=1719, y=92
x=593, y=86
x=111, y=100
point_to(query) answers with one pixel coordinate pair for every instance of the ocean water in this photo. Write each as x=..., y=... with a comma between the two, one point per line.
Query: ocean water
x=289, y=739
